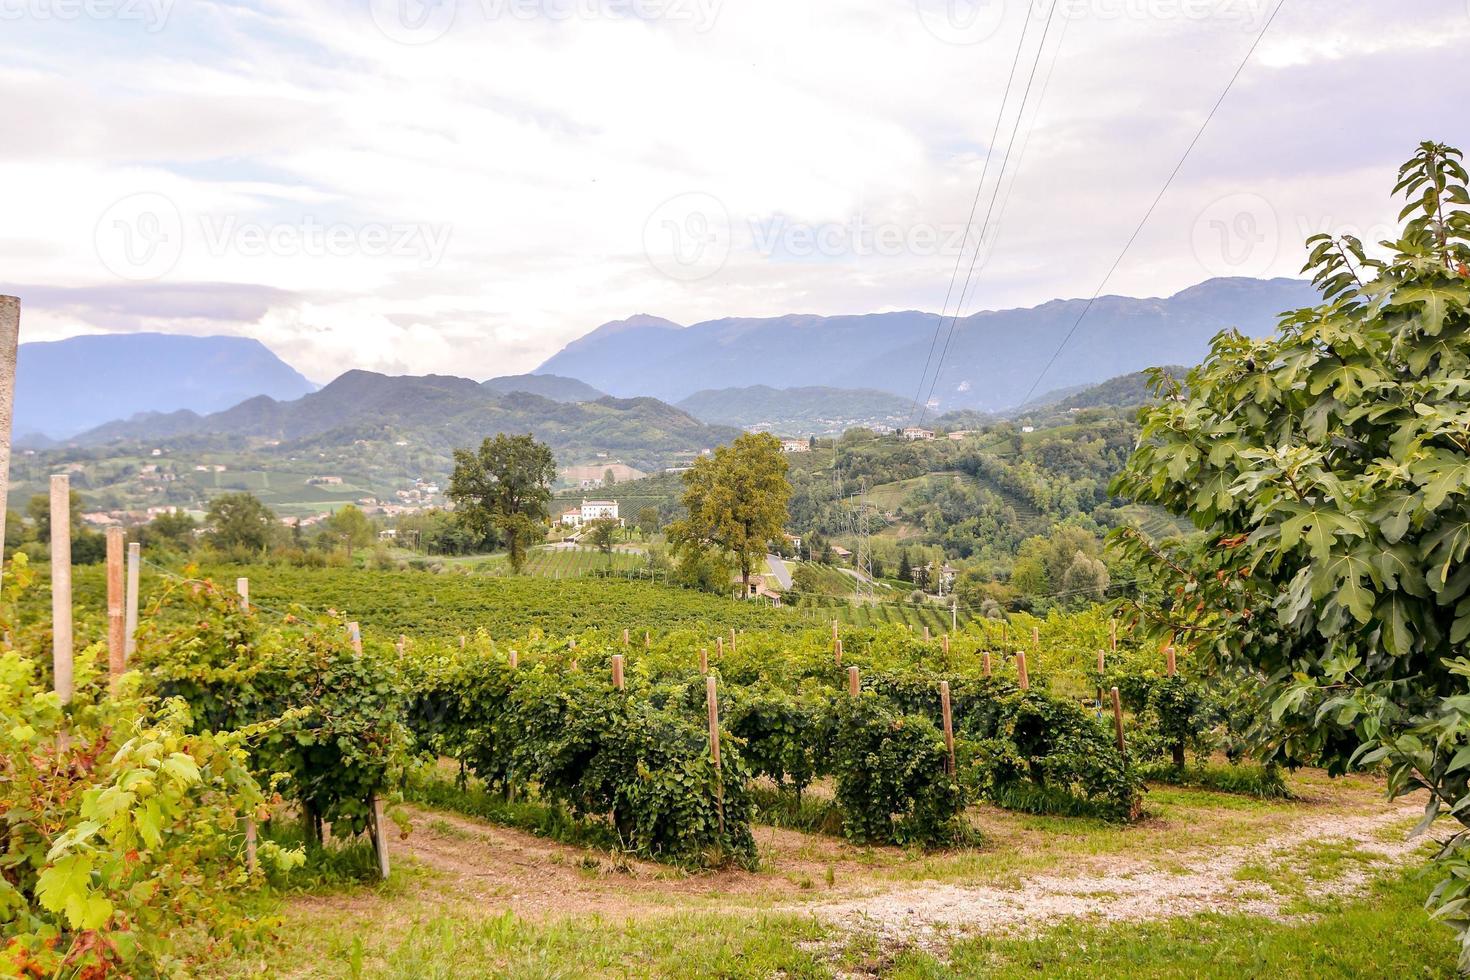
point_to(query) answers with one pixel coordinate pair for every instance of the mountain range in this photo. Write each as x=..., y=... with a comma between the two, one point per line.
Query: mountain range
x=992, y=361
x=795, y=375
x=64, y=387
x=431, y=413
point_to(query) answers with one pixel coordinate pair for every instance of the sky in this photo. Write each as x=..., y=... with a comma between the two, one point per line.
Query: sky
x=464, y=186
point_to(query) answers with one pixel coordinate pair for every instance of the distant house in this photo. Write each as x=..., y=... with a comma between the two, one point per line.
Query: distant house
x=325, y=481
x=591, y=510
x=915, y=434
x=959, y=434
x=841, y=552
x=1028, y=428
x=795, y=446
x=759, y=588
x=387, y=534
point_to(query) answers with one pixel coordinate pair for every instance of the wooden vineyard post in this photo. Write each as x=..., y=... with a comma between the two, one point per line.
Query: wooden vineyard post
x=1118, y=722
x=1113, y=635
x=402, y=644
x=355, y=632
x=617, y=671
x=625, y=636
x=703, y=661
x=854, y=684
x=242, y=589
x=720, y=646
x=380, y=837
x=61, y=637
x=948, y=725
x=712, y=702
x=836, y=643
x=1005, y=632
x=461, y=641
x=1171, y=663
x=954, y=615
x=732, y=641
x=1022, y=677
x=1102, y=663
x=945, y=639
x=9, y=341
x=130, y=621
x=250, y=861
x=1036, y=636
x=116, y=627
x=986, y=659
x=926, y=634
x=839, y=653
x=515, y=660
x=647, y=640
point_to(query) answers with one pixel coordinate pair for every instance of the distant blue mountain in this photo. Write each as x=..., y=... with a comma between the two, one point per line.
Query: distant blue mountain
x=64, y=387
x=993, y=359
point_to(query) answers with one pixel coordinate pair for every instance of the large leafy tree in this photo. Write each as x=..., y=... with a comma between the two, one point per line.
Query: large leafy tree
x=1329, y=468
x=240, y=522
x=736, y=498
x=504, y=486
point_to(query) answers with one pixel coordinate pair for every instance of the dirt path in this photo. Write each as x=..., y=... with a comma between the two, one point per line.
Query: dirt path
x=1226, y=878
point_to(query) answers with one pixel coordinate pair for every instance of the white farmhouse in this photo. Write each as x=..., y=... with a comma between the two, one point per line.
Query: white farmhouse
x=795, y=446
x=591, y=510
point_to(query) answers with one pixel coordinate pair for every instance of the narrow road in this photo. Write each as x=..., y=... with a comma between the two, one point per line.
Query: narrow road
x=778, y=568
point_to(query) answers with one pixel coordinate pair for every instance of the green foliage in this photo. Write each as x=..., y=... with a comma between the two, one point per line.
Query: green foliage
x=1329, y=466
x=120, y=830
x=331, y=733
x=892, y=780
x=595, y=750
x=504, y=487
x=736, y=500
x=239, y=522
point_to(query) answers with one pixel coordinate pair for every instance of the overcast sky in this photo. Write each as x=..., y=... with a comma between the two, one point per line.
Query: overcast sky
x=463, y=187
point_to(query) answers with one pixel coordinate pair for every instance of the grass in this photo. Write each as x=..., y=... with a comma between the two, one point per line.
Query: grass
x=1247, y=778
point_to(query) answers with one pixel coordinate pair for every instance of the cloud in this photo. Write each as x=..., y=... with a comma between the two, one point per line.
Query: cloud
x=355, y=192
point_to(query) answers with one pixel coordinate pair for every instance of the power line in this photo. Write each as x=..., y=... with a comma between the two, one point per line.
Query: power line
x=1157, y=198
x=974, y=205
x=990, y=208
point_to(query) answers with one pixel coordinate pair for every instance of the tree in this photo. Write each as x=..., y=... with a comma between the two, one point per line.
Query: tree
x=603, y=532
x=173, y=530
x=648, y=521
x=504, y=486
x=240, y=522
x=609, y=478
x=1086, y=578
x=349, y=527
x=736, y=499
x=905, y=568
x=38, y=509
x=1329, y=468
